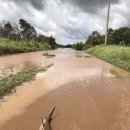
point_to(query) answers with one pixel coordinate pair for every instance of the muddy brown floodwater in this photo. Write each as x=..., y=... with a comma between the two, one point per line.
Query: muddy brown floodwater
x=89, y=94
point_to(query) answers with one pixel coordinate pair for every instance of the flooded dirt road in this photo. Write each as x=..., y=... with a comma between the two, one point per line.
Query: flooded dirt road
x=88, y=93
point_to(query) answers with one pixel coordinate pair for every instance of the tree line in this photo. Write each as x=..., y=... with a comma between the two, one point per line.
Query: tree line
x=119, y=36
x=23, y=30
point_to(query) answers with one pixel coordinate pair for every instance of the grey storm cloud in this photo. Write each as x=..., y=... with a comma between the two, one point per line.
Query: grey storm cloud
x=90, y=5
x=38, y=4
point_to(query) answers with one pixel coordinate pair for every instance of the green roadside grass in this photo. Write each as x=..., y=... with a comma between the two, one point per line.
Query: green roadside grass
x=116, y=55
x=10, y=47
x=9, y=83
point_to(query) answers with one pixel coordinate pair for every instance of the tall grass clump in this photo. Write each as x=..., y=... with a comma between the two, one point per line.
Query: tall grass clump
x=9, y=47
x=114, y=54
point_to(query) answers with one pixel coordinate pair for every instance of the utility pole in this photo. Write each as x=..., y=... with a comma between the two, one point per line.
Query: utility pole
x=107, y=22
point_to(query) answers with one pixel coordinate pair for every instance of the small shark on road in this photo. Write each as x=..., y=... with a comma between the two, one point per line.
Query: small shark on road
x=46, y=122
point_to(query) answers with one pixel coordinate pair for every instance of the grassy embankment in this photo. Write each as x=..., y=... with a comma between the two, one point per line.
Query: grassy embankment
x=10, y=47
x=116, y=55
x=9, y=83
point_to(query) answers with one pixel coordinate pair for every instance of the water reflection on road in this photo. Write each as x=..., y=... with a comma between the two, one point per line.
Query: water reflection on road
x=16, y=63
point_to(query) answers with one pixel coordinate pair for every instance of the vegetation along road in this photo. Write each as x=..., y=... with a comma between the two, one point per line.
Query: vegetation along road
x=89, y=94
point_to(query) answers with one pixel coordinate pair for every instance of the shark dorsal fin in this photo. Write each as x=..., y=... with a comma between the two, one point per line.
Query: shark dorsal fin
x=51, y=113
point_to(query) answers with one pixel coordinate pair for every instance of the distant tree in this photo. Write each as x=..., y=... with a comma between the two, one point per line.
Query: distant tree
x=1, y=30
x=110, y=36
x=41, y=38
x=27, y=31
x=95, y=38
x=16, y=32
x=122, y=35
x=8, y=30
x=68, y=46
x=48, y=40
x=78, y=46
x=52, y=42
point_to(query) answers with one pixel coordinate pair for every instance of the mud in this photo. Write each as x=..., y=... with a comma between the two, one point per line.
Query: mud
x=88, y=93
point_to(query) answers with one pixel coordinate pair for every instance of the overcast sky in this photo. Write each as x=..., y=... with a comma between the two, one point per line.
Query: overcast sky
x=68, y=21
